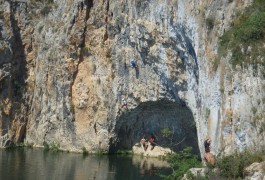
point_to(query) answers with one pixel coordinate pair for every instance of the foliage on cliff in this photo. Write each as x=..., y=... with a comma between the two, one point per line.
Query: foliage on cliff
x=233, y=166
x=181, y=163
x=246, y=37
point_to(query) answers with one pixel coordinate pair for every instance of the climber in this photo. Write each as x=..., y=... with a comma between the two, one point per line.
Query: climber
x=144, y=143
x=207, y=144
x=133, y=63
x=152, y=141
x=208, y=157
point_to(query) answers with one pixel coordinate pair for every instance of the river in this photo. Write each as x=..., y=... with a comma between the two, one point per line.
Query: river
x=39, y=164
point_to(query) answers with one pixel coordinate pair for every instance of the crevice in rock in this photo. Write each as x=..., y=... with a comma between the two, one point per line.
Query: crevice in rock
x=17, y=85
x=151, y=118
x=89, y=4
x=191, y=51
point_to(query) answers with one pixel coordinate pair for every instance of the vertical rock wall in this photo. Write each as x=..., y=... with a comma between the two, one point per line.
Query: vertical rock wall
x=72, y=64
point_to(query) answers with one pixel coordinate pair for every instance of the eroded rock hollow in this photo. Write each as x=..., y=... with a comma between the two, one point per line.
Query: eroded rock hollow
x=152, y=118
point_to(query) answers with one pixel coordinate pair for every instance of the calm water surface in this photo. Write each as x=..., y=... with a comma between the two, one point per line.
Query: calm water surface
x=37, y=164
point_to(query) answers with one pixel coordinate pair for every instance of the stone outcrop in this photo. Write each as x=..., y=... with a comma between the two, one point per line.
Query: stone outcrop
x=65, y=67
x=156, y=151
x=255, y=171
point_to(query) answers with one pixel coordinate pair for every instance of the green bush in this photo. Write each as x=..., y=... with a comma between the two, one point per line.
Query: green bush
x=84, y=150
x=100, y=152
x=124, y=152
x=166, y=133
x=52, y=146
x=210, y=22
x=181, y=163
x=254, y=110
x=45, y=10
x=233, y=166
x=252, y=28
x=248, y=31
x=49, y=1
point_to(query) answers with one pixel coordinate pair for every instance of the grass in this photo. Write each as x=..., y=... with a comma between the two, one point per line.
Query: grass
x=124, y=152
x=245, y=38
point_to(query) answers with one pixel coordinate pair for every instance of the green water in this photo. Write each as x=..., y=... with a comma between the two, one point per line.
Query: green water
x=37, y=164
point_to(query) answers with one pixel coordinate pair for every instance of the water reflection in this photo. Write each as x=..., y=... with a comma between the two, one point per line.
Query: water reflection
x=149, y=166
x=29, y=164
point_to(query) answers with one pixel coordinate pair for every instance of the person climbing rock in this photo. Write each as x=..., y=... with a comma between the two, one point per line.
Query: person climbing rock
x=152, y=141
x=208, y=157
x=144, y=143
x=133, y=63
x=207, y=144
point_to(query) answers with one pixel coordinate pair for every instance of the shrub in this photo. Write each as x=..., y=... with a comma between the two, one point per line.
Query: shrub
x=54, y=146
x=49, y=1
x=84, y=150
x=251, y=28
x=100, y=152
x=182, y=162
x=85, y=51
x=124, y=152
x=166, y=133
x=45, y=10
x=45, y=145
x=248, y=31
x=40, y=29
x=233, y=166
x=254, y=110
x=210, y=22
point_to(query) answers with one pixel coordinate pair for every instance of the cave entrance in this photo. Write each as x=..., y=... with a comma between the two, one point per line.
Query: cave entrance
x=151, y=118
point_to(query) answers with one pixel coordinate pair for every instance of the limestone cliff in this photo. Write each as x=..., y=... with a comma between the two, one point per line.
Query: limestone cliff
x=65, y=68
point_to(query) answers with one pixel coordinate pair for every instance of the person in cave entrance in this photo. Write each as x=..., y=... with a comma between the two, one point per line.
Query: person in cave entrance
x=144, y=143
x=152, y=142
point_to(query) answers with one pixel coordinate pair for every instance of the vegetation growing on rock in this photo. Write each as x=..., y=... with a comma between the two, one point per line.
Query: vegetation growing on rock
x=181, y=162
x=246, y=37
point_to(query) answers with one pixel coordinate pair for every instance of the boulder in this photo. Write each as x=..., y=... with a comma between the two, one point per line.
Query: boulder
x=255, y=171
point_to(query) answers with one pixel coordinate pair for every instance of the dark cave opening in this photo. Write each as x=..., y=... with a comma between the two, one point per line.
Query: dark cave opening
x=153, y=118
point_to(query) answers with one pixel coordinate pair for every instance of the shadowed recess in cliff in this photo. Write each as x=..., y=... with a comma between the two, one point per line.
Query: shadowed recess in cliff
x=152, y=118
x=18, y=76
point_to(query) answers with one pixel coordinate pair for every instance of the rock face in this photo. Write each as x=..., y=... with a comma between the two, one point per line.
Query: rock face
x=255, y=171
x=65, y=68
